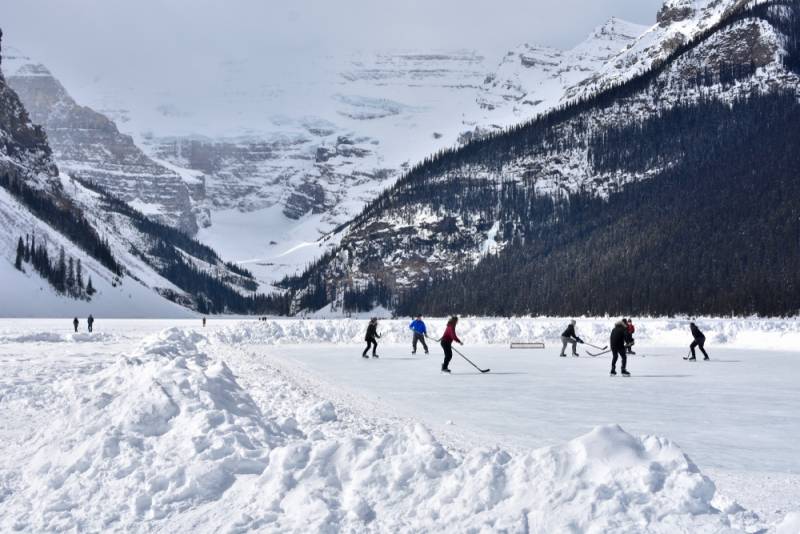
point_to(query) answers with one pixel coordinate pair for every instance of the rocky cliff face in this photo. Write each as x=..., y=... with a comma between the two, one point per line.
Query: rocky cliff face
x=24, y=150
x=88, y=144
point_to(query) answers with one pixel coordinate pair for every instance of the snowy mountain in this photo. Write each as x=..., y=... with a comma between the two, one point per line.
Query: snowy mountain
x=282, y=158
x=532, y=79
x=69, y=246
x=89, y=145
x=266, y=163
x=449, y=212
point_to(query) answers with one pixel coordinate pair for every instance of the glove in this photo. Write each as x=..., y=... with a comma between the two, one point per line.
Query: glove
x=579, y=340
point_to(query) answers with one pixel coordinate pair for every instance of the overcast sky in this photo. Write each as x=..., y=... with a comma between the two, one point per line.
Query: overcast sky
x=82, y=35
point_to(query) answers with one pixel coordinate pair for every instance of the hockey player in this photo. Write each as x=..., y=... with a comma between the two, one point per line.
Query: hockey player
x=629, y=330
x=617, y=343
x=75, y=323
x=371, y=338
x=699, y=341
x=419, y=329
x=567, y=337
x=447, y=342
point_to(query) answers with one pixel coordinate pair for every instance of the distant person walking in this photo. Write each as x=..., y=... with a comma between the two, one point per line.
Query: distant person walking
x=204, y=322
x=90, y=322
x=617, y=343
x=567, y=337
x=629, y=330
x=699, y=341
x=418, y=327
x=75, y=323
x=447, y=342
x=371, y=338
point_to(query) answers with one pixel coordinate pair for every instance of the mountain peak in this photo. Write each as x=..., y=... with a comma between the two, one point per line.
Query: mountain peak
x=616, y=27
x=675, y=11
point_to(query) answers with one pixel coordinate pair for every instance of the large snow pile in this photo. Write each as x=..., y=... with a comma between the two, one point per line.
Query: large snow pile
x=159, y=431
x=778, y=334
x=166, y=439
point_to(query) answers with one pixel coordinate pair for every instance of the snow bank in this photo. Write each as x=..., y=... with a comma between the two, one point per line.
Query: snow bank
x=158, y=432
x=166, y=439
x=54, y=337
x=777, y=334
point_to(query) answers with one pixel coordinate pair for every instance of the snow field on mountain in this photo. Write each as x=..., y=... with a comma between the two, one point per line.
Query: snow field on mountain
x=184, y=431
x=28, y=294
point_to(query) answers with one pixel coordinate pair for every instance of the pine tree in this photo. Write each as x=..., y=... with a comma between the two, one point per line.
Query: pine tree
x=89, y=287
x=61, y=271
x=71, y=275
x=79, y=276
x=20, y=254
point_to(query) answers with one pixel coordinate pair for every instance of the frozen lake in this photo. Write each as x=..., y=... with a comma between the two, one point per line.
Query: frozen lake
x=305, y=384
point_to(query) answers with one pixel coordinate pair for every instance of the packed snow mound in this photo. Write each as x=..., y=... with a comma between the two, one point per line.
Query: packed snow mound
x=156, y=433
x=166, y=439
x=777, y=334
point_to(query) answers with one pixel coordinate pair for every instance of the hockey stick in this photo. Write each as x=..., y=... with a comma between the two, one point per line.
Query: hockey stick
x=595, y=346
x=459, y=353
x=470, y=361
x=598, y=354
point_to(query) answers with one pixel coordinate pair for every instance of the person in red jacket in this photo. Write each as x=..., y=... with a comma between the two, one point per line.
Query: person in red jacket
x=447, y=342
x=629, y=330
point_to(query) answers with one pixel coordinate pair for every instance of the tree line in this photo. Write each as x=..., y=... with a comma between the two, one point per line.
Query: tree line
x=64, y=216
x=65, y=274
x=718, y=233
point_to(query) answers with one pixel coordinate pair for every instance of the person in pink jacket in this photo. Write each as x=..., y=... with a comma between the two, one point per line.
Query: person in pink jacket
x=447, y=342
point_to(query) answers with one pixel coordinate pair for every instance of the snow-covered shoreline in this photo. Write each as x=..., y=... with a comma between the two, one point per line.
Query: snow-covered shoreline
x=191, y=431
x=764, y=334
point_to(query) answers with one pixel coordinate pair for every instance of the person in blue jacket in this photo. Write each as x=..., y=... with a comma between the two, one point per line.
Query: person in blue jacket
x=418, y=327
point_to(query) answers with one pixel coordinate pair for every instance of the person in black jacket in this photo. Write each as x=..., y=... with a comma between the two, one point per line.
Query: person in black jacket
x=569, y=337
x=699, y=341
x=618, y=348
x=90, y=322
x=371, y=338
x=75, y=323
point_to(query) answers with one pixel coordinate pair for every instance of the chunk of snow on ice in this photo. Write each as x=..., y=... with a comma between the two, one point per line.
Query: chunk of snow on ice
x=322, y=412
x=790, y=524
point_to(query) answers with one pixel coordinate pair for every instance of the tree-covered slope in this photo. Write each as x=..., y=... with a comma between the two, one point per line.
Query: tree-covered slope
x=564, y=174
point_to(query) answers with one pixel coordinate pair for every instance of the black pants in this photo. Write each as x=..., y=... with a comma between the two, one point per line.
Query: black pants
x=699, y=342
x=371, y=342
x=448, y=353
x=622, y=353
x=90, y=327
x=76, y=327
x=421, y=338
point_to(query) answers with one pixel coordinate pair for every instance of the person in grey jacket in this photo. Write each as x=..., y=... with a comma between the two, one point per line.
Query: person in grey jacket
x=567, y=337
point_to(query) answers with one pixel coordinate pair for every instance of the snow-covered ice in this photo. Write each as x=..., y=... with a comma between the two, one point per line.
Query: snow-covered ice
x=280, y=426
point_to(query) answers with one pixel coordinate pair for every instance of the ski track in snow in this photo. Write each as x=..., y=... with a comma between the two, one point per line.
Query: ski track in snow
x=233, y=429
